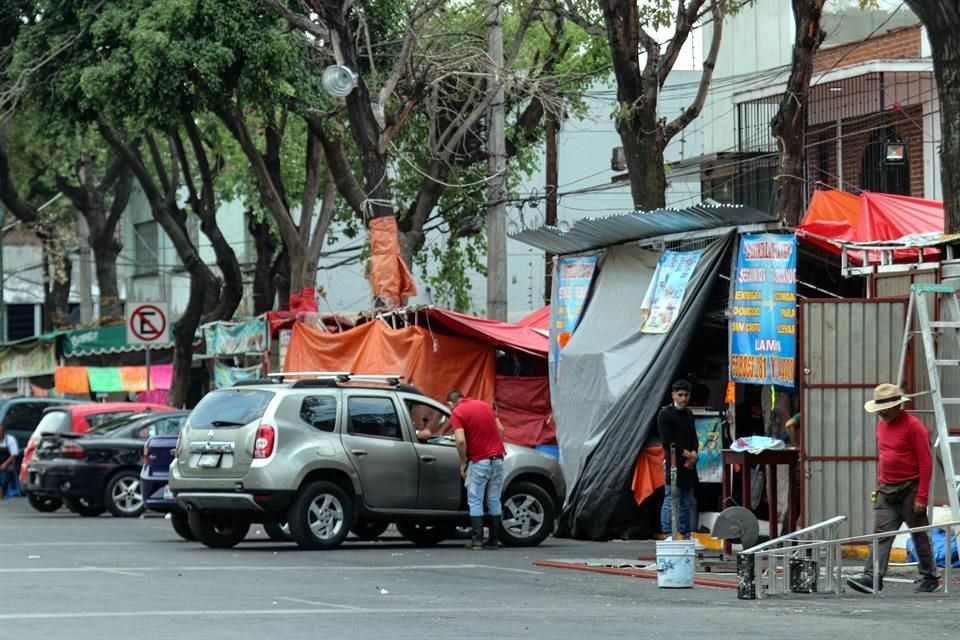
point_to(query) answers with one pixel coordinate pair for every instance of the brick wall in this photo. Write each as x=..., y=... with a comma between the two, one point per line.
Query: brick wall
x=897, y=43
x=857, y=134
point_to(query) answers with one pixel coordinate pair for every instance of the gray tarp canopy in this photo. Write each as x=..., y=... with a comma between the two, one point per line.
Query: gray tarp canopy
x=611, y=379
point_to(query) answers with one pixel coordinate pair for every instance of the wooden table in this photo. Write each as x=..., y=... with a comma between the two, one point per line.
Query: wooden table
x=771, y=459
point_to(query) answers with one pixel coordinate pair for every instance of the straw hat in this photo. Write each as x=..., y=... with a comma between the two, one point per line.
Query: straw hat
x=885, y=396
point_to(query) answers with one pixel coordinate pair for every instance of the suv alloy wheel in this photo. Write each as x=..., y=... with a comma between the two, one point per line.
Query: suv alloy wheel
x=321, y=516
x=528, y=515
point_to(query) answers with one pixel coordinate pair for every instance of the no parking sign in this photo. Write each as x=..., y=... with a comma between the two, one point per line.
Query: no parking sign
x=147, y=323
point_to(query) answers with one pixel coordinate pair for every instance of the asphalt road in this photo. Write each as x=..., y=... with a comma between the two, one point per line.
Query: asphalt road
x=62, y=576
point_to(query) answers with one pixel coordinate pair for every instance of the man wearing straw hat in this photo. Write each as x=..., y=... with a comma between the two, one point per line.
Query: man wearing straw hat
x=903, y=485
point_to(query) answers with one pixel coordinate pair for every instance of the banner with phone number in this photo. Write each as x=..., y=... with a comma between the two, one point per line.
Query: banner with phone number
x=763, y=326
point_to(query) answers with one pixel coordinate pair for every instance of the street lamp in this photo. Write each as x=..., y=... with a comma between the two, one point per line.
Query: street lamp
x=339, y=81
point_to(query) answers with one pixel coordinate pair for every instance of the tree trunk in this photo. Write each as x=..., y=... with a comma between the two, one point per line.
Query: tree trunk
x=105, y=262
x=942, y=20
x=57, y=270
x=789, y=124
x=644, y=155
x=281, y=279
x=183, y=334
x=264, y=288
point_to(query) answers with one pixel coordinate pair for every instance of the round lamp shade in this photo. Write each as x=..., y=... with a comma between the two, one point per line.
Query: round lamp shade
x=339, y=81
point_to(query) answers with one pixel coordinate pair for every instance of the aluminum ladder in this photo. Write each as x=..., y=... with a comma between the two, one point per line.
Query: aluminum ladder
x=946, y=331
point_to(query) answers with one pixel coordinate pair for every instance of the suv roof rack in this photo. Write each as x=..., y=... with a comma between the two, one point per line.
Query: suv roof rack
x=249, y=382
x=337, y=377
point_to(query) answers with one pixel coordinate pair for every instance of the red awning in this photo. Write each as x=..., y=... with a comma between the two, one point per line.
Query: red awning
x=539, y=319
x=835, y=217
x=499, y=334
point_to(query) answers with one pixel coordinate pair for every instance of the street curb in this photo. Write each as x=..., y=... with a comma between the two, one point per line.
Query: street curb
x=631, y=573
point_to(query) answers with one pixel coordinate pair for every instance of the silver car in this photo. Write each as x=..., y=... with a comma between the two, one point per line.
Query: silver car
x=314, y=459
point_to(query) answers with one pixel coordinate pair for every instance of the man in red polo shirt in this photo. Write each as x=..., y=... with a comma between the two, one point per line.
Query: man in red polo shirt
x=903, y=486
x=479, y=437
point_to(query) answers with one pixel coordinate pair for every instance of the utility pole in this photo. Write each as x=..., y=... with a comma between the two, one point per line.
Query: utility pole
x=496, y=194
x=551, y=123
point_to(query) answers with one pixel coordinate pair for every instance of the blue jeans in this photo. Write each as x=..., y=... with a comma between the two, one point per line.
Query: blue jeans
x=484, y=483
x=686, y=511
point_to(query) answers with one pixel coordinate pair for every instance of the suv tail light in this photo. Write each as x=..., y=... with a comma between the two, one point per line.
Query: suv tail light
x=72, y=450
x=263, y=445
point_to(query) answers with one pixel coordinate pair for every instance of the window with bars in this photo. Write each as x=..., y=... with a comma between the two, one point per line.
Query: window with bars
x=146, y=248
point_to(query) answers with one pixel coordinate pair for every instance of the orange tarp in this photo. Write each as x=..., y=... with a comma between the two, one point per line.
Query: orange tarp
x=390, y=278
x=133, y=378
x=648, y=474
x=72, y=380
x=433, y=362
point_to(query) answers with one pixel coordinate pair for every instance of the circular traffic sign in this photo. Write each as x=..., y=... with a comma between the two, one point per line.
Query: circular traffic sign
x=148, y=323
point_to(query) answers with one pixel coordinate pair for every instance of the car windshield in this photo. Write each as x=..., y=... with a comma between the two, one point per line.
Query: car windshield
x=230, y=408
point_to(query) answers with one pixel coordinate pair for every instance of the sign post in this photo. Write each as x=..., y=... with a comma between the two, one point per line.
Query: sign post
x=147, y=324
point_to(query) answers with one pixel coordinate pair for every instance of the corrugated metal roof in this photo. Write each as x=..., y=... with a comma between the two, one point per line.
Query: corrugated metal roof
x=595, y=233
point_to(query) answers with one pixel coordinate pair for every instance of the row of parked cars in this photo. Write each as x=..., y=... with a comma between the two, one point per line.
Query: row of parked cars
x=310, y=460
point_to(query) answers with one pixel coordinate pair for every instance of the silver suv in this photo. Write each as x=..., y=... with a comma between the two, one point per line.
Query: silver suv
x=314, y=459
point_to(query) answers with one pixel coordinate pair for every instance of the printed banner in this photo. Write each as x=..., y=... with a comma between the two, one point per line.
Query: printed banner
x=225, y=376
x=35, y=358
x=709, y=462
x=236, y=338
x=574, y=276
x=763, y=327
x=664, y=296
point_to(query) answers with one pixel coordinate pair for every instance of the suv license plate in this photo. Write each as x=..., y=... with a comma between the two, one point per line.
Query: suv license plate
x=209, y=460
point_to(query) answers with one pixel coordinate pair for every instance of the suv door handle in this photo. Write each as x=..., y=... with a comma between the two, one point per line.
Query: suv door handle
x=358, y=452
x=428, y=458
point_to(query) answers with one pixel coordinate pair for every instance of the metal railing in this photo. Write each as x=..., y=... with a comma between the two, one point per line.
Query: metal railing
x=775, y=567
x=765, y=569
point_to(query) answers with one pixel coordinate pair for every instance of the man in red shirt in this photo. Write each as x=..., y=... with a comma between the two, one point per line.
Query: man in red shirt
x=479, y=437
x=903, y=486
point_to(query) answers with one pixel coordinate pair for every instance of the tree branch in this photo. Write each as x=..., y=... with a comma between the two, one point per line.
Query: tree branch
x=22, y=210
x=339, y=166
x=692, y=111
x=686, y=18
x=311, y=186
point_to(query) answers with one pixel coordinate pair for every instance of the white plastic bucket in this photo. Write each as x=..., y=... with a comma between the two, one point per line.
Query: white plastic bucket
x=675, y=563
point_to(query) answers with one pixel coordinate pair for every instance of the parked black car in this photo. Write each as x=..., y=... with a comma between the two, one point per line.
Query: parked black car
x=100, y=470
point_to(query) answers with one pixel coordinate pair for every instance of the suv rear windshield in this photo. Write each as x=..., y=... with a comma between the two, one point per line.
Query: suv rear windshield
x=230, y=408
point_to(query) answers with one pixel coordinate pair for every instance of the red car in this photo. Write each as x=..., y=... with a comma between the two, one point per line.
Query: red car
x=76, y=418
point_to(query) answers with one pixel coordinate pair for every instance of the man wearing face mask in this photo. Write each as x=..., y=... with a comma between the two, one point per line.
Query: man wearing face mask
x=903, y=486
x=676, y=427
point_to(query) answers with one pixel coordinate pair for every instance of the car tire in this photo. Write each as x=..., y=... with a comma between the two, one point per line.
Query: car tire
x=427, y=534
x=182, y=526
x=123, y=496
x=278, y=531
x=83, y=507
x=217, y=531
x=528, y=515
x=320, y=516
x=369, y=529
x=44, y=504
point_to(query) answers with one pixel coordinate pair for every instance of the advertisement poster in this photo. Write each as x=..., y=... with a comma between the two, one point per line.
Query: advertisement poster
x=664, y=296
x=709, y=462
x=763, y=327
x=574, y=276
